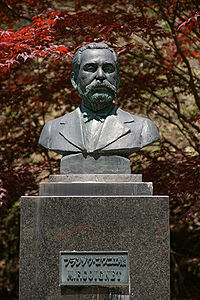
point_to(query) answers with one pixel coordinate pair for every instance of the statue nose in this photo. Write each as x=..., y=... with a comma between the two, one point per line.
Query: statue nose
x=100, y=74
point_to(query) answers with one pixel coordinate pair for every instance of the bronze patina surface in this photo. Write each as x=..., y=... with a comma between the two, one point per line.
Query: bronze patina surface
x=97, y=130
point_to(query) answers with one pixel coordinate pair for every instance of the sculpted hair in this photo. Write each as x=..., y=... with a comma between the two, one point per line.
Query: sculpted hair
x=77, y=57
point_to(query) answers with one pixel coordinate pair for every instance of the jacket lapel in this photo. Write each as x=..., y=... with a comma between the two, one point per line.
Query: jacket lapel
x=71, y=128
x=114, y=128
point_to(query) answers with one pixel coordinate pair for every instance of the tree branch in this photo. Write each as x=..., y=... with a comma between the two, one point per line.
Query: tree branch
x=185, y=60
x=14, y=13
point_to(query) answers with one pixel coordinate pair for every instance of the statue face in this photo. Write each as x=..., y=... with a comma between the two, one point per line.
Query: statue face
x=98, y=78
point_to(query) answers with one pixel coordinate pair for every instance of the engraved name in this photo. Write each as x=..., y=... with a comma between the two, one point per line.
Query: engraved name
x=97, y=261
x=95, y=275
x=95, y=268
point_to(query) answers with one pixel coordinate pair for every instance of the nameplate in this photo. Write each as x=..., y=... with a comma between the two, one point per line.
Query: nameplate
x=94, y=268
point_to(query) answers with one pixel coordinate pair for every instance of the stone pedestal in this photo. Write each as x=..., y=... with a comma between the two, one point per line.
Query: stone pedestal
x=94, y=213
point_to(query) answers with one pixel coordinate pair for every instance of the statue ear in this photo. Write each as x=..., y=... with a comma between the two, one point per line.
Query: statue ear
x=73, y=80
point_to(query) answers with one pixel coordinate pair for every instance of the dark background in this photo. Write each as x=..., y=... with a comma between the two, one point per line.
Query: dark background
x=158, y=47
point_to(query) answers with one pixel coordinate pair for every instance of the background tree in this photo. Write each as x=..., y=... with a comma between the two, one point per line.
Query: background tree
x=158, y=47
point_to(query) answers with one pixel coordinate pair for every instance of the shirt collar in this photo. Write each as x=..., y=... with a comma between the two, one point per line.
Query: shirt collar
x=100, y=115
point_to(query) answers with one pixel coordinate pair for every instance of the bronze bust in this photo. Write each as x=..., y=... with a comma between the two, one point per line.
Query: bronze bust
x=97, y=137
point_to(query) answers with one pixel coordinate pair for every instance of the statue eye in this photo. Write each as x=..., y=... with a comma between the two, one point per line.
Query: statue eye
x=90, y=68
x=108, y=68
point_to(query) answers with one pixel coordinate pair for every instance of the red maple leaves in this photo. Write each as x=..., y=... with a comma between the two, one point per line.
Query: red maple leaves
x=60, y=33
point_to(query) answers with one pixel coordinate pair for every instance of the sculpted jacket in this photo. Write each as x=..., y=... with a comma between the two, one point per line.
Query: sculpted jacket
x=122, y=134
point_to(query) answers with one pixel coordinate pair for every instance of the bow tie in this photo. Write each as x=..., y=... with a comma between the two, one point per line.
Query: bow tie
x=89, y=115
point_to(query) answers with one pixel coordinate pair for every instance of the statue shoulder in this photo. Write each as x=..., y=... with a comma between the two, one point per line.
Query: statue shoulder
x=144, y=127
x=149, y=132
x=124, y=115
x=50, y=137
x=49, y=130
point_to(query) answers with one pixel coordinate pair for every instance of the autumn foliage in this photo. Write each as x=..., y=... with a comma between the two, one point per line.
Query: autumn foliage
x=158, y=47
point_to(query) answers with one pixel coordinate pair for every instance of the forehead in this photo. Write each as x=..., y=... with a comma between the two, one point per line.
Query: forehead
x=97, y=55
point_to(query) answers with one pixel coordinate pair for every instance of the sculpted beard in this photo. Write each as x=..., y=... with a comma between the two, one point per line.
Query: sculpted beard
x=97, y=95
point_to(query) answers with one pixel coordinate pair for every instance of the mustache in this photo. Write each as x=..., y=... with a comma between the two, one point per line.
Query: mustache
x=97, y=85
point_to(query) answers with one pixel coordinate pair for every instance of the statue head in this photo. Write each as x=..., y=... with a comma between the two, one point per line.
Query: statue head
x=95, y=74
